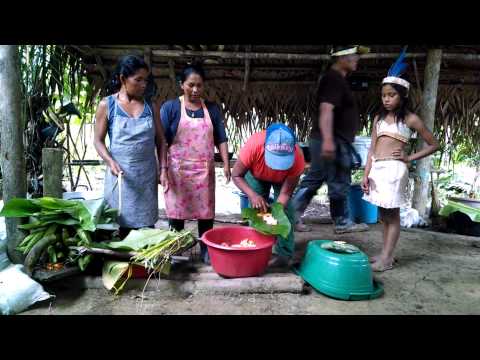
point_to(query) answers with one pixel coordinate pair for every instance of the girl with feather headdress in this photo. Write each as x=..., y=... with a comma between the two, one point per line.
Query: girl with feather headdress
x=386, y=173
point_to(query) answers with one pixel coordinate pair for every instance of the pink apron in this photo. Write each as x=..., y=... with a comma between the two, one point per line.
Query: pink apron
x=191, y=193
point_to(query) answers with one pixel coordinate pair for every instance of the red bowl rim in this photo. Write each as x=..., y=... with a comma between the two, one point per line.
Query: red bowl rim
x=218, y=246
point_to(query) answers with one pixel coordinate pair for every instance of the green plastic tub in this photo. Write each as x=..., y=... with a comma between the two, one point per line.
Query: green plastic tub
x=340, y=275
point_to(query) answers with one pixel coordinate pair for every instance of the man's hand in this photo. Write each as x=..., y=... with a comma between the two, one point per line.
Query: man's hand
x=258, y=202
x=328, y=150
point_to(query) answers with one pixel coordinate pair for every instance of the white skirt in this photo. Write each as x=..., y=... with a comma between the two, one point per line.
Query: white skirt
x=388, y=181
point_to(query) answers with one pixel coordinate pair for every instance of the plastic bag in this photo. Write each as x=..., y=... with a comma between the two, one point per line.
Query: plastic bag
x=409, y=217
x=18, y=291
x=4, y=260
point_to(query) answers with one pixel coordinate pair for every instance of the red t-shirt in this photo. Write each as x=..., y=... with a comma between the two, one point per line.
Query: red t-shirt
x=252, y=156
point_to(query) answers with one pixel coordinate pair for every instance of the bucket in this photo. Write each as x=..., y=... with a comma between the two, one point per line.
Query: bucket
x=362, y=145
x=360, y=210
x=339, y=275
x=306, y=152
x=244, y=203
x=243, y=199
x=238, y=262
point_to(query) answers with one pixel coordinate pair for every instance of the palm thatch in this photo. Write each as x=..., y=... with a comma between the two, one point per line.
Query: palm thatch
x=249, y=111
x=260, y=84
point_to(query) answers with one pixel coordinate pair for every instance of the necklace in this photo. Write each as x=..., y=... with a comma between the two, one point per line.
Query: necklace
x=191, y=113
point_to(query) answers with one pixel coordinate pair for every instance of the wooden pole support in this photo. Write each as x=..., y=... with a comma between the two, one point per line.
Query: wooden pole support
x=427, y=113
x=12, y=157
x=171, y=73
x=52, y=166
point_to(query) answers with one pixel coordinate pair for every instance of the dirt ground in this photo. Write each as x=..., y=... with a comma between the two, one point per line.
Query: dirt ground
x=436, y=274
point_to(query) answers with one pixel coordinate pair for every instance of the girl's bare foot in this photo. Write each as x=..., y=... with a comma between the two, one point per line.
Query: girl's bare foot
x=377, y=257
x=382, y=265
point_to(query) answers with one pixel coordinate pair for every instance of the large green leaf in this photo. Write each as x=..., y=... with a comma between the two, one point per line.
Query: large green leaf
x=47, y=210
x=18, y=207
x=38, y=224
x=54, y=203
x=95, y=208
x=69, y=222
x=139, y=239
x=453, y=206
x=108, y=218
x=115, y=274
x=83, y=215
x=282, y=228
x=84, y=261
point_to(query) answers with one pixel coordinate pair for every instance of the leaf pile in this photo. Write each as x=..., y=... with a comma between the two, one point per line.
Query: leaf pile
x=153, y=249
x=55, y=224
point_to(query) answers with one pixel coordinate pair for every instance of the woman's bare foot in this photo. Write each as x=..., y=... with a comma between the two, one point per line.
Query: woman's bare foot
x=382, y=265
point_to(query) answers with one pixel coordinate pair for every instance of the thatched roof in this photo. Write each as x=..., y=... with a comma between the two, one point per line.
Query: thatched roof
x=278, y=83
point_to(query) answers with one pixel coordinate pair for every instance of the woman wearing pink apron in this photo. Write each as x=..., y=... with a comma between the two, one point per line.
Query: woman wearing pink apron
x=192, y=128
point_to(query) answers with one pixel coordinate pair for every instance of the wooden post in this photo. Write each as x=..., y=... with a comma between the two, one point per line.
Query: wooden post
x=12, y=157
x=247, y=69
x=171, y=74
x=52, y=166
x=147, y=56
x=427, y=113
x=247, y=74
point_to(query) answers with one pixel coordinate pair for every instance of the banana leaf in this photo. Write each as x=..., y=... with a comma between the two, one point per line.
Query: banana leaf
x=19, y=208
x=39, y=224
x=453, y=206
x=115, y=275
x=282, y=228
x=54, y=203
x=95, y=208
x=90, y=214
x=86, y=212
x=84, y=261
x=108, y=219
x=139, y=239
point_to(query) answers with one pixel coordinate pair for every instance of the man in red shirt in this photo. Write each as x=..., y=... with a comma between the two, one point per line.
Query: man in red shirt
x=271, y=159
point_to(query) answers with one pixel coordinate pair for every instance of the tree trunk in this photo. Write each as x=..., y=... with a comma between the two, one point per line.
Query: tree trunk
x=12, y=157
x=52, y=166
x=427, y=113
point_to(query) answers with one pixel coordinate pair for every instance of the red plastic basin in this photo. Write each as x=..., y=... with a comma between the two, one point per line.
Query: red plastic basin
x=139, y=272
x=238, y=262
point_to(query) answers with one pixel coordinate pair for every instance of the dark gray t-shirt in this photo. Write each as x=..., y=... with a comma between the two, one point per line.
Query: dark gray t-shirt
x=334, y=89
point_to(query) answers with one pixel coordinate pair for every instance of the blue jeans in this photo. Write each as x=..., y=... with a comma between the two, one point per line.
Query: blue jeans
x=337, y=174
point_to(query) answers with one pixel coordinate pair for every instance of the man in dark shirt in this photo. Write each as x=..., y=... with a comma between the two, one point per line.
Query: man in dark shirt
x=330, y=142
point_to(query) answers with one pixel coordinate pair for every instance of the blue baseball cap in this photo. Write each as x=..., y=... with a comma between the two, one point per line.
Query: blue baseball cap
x=279, y=147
